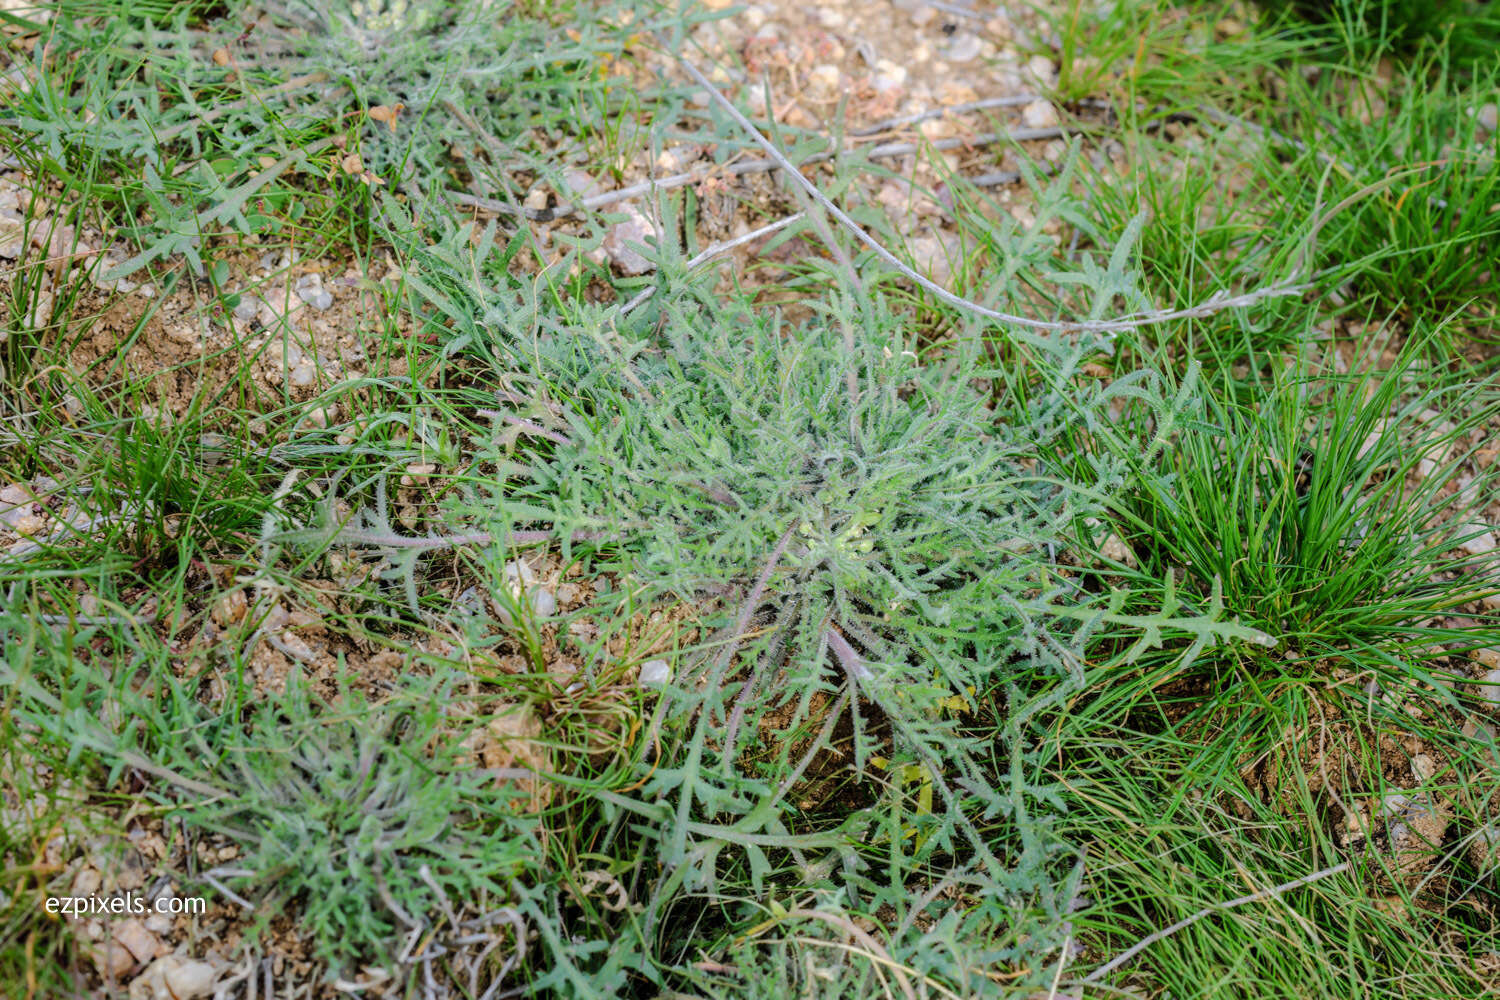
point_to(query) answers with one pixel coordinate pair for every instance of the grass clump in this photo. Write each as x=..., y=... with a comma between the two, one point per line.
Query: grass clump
x=1420, y=235
x=1320, y=507
x=1466, y=27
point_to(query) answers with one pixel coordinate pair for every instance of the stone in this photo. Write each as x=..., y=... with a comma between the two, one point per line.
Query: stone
x=581, y=184
x=188, y=980
x=303, y=374
x=1040, y=69
x=28, y=525
x=823, y=82
x=618, y=239
x=525, y=590
x=173, y=977
x=964, y=48
x=136, y=939
x=655, y=673
x=1039, y=114
x=1481, y=541
x=933, y=256
x=12, y=232
x=15, y=503
x=112, y=960
x=309, y=289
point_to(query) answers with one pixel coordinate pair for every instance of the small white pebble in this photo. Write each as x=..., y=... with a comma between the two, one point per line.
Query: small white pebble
x=543, y=602
x=1039, y=114
x=1482, y=542
x=964, y=48
x=303, y=375
x=655, y=673
x=310, y=290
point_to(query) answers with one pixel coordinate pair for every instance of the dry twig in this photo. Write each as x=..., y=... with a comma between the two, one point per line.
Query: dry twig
x=1155, y=936
x=1215, y=303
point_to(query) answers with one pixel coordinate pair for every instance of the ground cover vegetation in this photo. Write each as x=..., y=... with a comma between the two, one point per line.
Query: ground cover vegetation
x=478, y=572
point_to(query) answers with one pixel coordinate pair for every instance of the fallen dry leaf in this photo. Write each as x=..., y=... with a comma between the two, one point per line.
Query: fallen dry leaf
x=352, y=164
x=386, y=114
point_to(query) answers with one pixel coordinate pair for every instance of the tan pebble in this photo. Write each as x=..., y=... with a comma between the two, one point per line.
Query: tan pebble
x=937, y=128
x=951, y=92
x=113, y=960
x=823, y=82
x=139, y=941
x=30, y=525
x=13, y=496
x=1483, y=540
x=934, y=256
x=190, y=980
x=1115, y=550
x=87, y=881
x=417, y=473
x=293, y=645
x=303, y=374
x=1040, y=68
x=965, y=47
x=322, y=416
x=618, y=239
x=1039, y=114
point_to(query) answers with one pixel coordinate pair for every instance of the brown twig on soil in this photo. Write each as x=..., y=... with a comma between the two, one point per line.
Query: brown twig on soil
x=1155, y=936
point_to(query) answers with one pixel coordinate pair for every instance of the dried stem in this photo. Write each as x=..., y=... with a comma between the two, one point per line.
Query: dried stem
x=1213, y=304
x=1155, y=936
